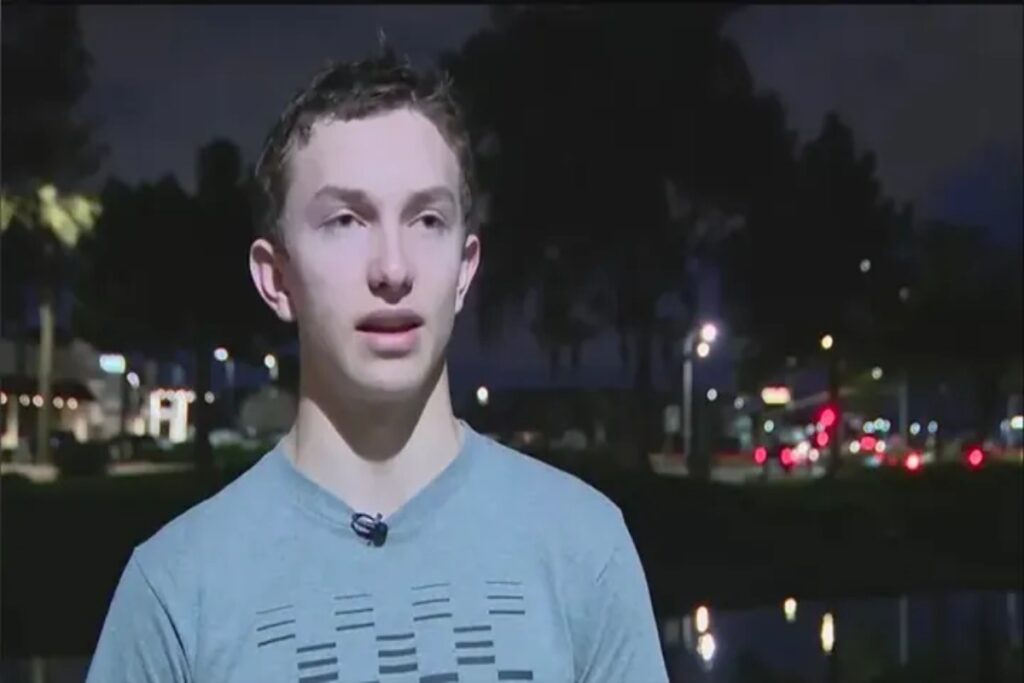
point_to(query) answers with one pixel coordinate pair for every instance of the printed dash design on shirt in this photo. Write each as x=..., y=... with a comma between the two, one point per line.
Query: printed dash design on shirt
x=475, y=644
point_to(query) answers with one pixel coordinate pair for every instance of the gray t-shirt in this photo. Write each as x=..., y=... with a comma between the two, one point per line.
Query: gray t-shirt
x=501, y=569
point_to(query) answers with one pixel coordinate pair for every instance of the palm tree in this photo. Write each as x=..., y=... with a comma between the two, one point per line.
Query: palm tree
x=55, y=224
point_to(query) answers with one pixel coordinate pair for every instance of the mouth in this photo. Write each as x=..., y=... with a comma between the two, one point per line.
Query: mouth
x=389, y=322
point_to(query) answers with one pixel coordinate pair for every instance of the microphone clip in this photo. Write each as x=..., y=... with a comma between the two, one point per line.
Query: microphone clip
x=373, y=529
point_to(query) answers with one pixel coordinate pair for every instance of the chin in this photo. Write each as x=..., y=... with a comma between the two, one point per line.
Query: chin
x=391, y=380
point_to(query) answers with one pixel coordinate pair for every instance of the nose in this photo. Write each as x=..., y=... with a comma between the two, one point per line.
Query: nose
x=389, y=274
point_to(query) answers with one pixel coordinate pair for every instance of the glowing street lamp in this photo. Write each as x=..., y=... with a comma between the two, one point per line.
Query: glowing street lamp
x=698, y=340
x=702, y=619
x=270, y=361
x=483, y=395
x=876, y=373
x=828, y=633
x=221, y=354
x=827, y=342
x=789, y=609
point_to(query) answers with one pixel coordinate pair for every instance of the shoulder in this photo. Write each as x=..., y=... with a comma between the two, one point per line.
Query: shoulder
x=558, y=505
x=185, y=547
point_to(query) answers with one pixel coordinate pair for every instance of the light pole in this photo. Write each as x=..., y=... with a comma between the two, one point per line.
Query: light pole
x=698, y=340
x=270, y=361
x=222, y=355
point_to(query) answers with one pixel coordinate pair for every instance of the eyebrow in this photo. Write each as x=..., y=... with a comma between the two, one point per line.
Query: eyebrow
x=354, y=196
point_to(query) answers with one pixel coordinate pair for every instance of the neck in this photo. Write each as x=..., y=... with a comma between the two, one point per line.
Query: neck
x=373, y=455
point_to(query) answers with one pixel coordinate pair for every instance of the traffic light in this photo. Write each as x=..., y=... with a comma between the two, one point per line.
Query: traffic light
x=827, y=417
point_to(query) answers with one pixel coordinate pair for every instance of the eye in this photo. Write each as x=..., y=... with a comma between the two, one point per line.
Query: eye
x=345, y=219
x=432, y=220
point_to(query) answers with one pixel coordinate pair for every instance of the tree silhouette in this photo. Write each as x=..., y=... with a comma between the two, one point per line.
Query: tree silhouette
x=168, y=270
x=47, y=149
x=601, y=117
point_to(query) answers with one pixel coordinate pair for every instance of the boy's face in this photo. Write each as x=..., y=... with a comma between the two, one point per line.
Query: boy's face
x=378, y=261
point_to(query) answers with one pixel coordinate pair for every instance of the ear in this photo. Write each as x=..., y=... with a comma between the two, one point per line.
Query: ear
x=467, y=269
x=267, y=265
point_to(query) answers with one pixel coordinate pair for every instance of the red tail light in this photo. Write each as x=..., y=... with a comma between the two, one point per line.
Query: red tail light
x=913, y=462
x=867, y=443
x=760, y=455
x=786, y=457
x=976, y=457
x=822, y=439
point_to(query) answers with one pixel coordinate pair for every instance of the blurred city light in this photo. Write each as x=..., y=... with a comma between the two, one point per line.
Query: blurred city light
x=1017, y=422
x=828, y=633
x=37, y=401
x=738, y=403
x=827, y=341
x=712, y=395
x=760, y=455
x=933, y=427
x=913, y=462
x=72, y=403
x=869, y=427
x=876, y=373
x=776, y=396
x=976, y=457
x=915, y=428
x=709, y=333
x=702, y=619
x=706, y=647
x=769, y=426
x=813, y=455
x=209, y=397
x=821, y=439
x=828, y=417
x=703, y=349
x=865, y=265
x=3, y=399
x=880, y=446
x=221, y=354
x=789, y=609
x=190, y=396
x=113, y=363
x=855, y=447
x=904, y=294
x=482, y=395
x=868, y=443
x=270, y=361
x=25, y=400
x=133, y=379
x=58, y=402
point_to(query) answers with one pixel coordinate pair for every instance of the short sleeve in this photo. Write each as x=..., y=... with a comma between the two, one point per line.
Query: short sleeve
x=139, y=642
x=617, y=633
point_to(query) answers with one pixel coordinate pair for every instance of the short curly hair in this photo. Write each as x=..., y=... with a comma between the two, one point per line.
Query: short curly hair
x=354, y=90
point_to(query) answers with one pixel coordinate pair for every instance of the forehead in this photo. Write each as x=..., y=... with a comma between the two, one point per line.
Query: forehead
x=388, y=156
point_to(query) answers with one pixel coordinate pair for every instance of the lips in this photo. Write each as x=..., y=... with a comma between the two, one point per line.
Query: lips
x=389, y=322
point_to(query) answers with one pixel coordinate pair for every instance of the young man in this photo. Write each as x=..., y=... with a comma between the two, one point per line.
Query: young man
x=383, y=539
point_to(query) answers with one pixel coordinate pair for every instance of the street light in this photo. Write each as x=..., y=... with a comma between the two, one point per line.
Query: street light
x=712, y=395
x=876, y=373
x=270, y=361
x=827, y=342
x=790, y=609
x=702, y=619
x=828, y=633
x=699, y=339
x=865, y=265
x=483, y=395
x=221, y=354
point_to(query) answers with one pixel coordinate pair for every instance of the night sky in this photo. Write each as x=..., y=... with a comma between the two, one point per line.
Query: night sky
x=934, y=91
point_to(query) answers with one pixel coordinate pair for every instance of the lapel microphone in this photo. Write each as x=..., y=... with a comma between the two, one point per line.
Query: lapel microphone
x=373, y=529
